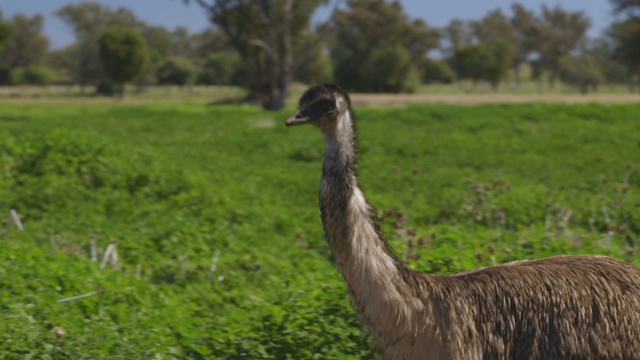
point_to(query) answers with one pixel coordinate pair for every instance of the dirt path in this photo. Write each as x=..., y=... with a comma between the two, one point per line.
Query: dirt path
x=360, y=99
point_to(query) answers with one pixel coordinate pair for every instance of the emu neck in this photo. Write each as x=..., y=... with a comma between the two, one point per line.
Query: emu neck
x=376, y=279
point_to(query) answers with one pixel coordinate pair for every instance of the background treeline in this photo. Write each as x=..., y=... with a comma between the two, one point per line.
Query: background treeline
x=368, y=46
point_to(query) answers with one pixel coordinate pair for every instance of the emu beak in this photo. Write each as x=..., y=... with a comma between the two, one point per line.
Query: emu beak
x=297, y=119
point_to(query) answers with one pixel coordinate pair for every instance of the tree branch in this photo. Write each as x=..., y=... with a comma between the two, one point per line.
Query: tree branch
x=263, y=45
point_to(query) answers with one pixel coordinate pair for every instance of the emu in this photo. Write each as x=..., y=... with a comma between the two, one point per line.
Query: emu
x=563, y=307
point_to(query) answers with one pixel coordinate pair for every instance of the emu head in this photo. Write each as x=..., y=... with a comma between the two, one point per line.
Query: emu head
x=321, y=106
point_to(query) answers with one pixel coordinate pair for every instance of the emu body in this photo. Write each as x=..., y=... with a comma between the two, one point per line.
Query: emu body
x=563, y=307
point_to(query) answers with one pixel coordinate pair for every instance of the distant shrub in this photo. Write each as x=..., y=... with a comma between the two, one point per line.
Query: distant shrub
x=473, y=62
x=582, y=72
x=105, y=87
x=222, y=68
x=32, y=75
x=390, y=70
x=124, y=55
x=176, y=71
x=483, y=62
x=318, y=70
x=437, y=71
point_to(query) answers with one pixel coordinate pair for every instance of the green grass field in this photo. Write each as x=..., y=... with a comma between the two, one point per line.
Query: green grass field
x=177, y=185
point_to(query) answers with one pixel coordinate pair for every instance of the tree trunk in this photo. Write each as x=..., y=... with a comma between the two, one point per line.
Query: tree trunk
x=286, y=62
x=553, y=75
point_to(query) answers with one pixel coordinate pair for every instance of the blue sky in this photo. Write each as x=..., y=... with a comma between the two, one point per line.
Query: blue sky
x=172, y=13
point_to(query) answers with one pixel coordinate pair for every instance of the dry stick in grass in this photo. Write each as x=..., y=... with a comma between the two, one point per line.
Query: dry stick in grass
x=107, y=255
x=138, y=271
x=16, y=219
x=214, y=264
x=80, y=297
x=114, y=257
x=94, y=250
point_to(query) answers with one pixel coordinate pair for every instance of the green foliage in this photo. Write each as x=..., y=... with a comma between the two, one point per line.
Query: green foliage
x=390, y=70
x=32, y=75
x=123, y=53
x=436, y=71
x=371, y=33
x=176, y=71
x=263, y=35
x=528, y=181
x=88, y=20
x=627, y=36
x=483, y=62
x=559, y=32
x=318, y=70
x=26, y=45
x=6, y=30
x=603, y=51
x=222, y=68
x=498, y=70
x=583, y=72
x=473, y=62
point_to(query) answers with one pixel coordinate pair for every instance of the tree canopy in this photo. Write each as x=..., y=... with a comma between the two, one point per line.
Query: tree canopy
x=26, y=45
x=560, y=32
x=6, y=30
x=262, y=32
x=378, y=31
x=123, y=53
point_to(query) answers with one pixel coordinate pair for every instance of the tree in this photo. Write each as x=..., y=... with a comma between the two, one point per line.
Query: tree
x=389, y=69
x=176, y=71
x=626, y=35
x=316, y=71
x=124, y=54
x=582, y=72
x=456, y=34
x=317, y=67
x=6, y=30
x=626, y=38
x=371, y=31
x=483, y=62
x=559, y=33
x=32, y=75
x=159, y=43
x=88, y=20
x=222, y=68
x=602, y=49
x=207, y=42
x=27, y=45
x=497, y=70
x=473, y=62
x=262, y=32
x=436, y=71
x=524, y=36
x=494, y=26
x=631, y=7
x=496, y=32
x=182, y=42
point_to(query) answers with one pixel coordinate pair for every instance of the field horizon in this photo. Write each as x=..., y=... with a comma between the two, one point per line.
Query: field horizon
x=427, y=94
